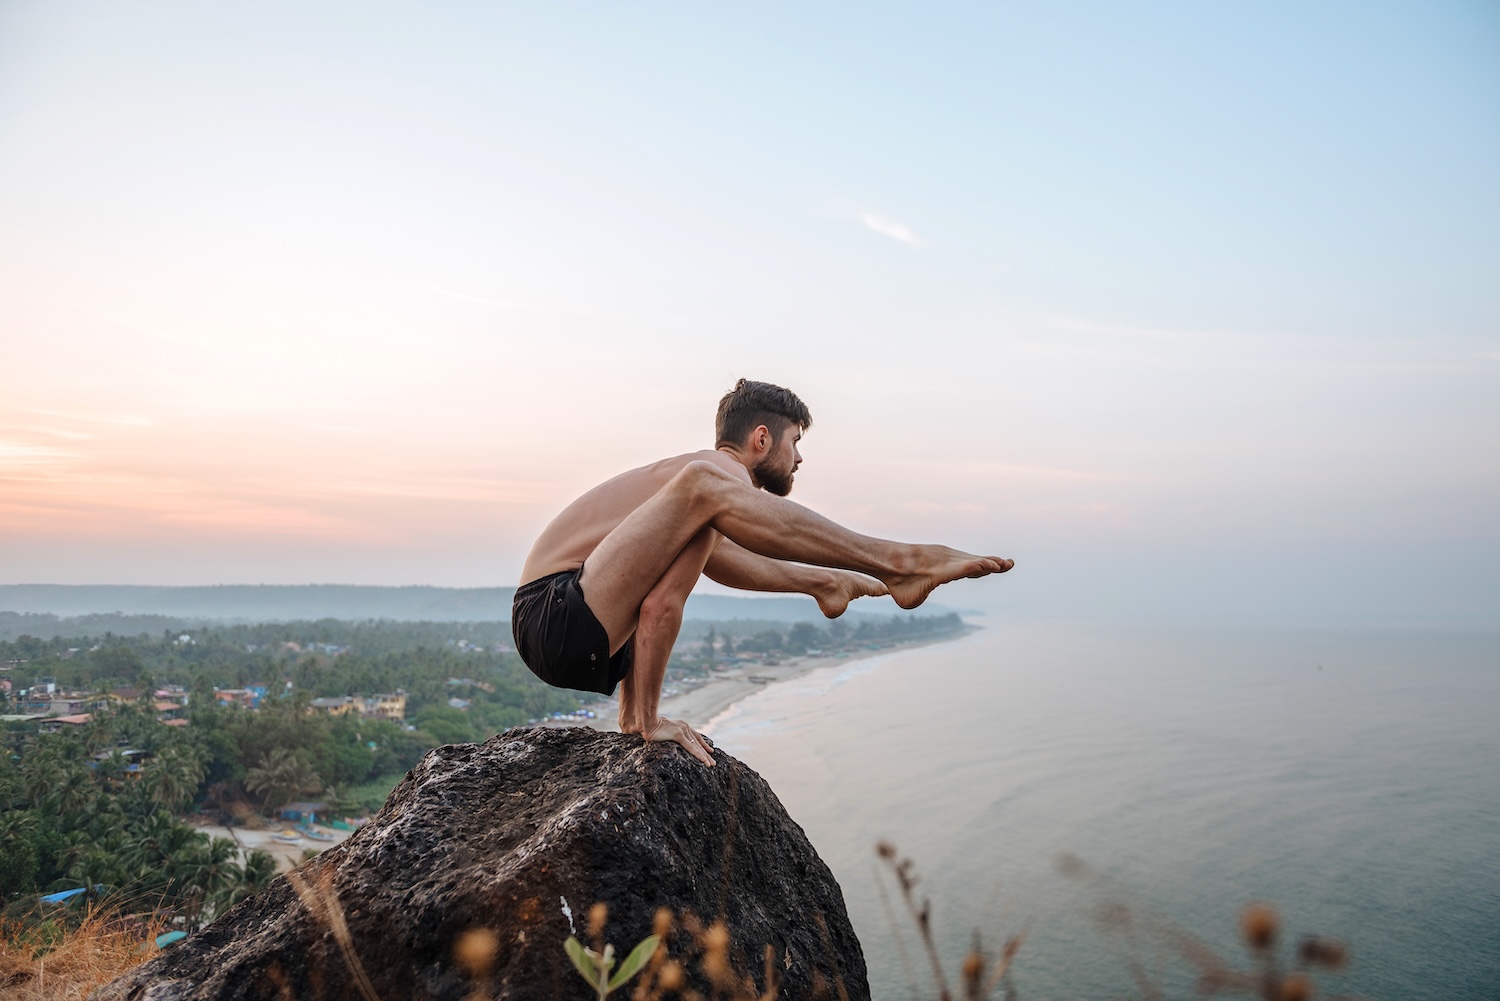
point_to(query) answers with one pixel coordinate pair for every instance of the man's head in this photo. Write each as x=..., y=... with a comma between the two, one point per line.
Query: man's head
x=760, y=421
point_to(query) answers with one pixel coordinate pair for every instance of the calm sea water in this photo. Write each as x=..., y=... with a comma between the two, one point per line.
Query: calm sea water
x=1350, y=777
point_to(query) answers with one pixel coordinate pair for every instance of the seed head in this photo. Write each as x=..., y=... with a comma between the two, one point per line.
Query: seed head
x=716, y=956
x=598, y=914
x=670, y=977
x=1259, y=924
x=475, y=951
x=1328, y=953
x=716, y=939
x=1296, y=987
x=661, y=923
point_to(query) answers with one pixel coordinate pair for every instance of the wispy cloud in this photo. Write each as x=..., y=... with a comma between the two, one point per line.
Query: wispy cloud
x=15, y=453
x=892, y=228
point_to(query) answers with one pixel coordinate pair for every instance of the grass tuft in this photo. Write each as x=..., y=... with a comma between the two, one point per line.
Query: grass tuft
x=54, y=961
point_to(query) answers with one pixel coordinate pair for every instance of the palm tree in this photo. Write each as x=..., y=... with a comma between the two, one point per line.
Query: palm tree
x=173, y=776
x=257, y=871
x=158, y=850
x=281, y=776
x=41, y=772
x=97, y=868
x=206, y=871
x=72, y=795
x=97, y=735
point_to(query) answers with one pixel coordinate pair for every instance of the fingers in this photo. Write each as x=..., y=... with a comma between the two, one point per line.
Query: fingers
x=691, y=740
x=702, y=748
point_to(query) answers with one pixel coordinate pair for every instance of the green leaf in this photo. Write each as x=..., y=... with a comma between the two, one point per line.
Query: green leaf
x=582, y=960
x=633, y=962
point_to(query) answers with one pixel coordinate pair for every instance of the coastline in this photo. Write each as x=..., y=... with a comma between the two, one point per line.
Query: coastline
x=697, y=704
x=701, y=704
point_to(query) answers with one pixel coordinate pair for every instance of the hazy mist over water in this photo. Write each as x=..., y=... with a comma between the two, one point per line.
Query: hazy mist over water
x=1348, y=776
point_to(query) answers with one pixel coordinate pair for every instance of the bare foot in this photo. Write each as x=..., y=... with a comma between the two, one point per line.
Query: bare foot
x=842, y=588
x=938, y=565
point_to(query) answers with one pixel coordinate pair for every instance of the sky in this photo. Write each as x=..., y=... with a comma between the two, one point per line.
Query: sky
x=1191, y=309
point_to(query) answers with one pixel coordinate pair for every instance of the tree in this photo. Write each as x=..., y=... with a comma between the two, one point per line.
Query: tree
x=802, y=637
x=173, y=776
x=97, y=868
x=206, y=872
x=253, y=875
x=281, y=776
x=18, y=865
x=73, y=794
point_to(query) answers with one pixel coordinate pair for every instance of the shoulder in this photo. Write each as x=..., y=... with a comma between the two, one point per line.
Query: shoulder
x=667, y=468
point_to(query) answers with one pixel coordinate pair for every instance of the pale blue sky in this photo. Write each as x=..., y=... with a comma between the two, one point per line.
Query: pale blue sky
x=1187, y=307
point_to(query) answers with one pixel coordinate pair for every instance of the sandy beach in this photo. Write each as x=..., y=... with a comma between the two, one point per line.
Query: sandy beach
x=288, y=854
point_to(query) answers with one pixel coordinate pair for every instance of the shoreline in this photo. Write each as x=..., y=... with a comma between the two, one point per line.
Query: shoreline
x=288, y=855
x=701, y=704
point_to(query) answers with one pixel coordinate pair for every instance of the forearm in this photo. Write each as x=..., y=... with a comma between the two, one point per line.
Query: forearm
x=641, y=699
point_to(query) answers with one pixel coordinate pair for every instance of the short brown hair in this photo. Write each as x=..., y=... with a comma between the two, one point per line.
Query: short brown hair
x=750, y=404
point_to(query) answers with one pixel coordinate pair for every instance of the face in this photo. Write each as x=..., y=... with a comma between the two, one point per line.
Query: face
x=775, y=470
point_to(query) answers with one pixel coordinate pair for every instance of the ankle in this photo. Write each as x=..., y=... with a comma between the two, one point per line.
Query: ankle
x=905, y=561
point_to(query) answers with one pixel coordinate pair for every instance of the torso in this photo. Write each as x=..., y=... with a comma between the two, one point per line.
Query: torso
x=570, y=537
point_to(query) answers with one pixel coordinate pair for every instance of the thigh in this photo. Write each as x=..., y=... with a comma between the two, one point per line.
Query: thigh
x=632, y=558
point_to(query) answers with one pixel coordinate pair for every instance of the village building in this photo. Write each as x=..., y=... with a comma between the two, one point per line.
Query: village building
x=337, y=705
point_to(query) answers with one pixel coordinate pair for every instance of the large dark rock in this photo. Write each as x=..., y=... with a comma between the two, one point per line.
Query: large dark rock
x=496, y=836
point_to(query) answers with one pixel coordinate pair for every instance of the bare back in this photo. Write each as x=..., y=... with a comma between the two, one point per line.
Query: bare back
x=575, y=533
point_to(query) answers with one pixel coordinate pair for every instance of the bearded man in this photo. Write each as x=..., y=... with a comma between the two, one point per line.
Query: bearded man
x=602, y=592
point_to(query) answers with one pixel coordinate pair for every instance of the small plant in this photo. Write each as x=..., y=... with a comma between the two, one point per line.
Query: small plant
x=980, y=973
x=595, y=965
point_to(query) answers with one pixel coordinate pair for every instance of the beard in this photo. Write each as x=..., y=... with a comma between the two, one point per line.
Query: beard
x=773, y=476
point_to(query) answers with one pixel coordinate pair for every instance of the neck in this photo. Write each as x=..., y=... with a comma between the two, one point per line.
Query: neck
x=743, y=457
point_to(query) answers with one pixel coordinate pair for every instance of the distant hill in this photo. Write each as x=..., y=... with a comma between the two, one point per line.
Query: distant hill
x=163, y=606
x=264, y=602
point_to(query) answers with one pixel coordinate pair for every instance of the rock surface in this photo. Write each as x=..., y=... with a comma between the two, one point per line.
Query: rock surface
x=510, y=836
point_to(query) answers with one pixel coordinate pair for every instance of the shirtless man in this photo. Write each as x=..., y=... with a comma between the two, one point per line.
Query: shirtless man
x=603, y=589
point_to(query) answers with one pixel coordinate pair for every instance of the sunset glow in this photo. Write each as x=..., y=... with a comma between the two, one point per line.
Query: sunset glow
x=297, y=295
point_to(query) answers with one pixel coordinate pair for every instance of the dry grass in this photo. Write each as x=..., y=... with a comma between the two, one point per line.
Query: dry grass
x=58, y=963
x=48, y=960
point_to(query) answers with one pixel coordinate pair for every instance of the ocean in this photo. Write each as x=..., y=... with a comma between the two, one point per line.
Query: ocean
x=1348, y=776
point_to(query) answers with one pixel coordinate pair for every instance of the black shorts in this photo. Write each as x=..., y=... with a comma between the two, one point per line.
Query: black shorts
x=559, y=638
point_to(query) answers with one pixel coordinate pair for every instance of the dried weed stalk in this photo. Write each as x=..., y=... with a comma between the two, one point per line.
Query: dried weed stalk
x=63, y=964
x=323, y=902
x=980, y=972
x=1268, y=979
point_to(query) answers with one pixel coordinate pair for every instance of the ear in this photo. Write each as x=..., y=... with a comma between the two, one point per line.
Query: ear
x=761, y=438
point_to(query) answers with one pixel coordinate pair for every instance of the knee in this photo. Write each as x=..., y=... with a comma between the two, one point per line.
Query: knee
x=660, y=610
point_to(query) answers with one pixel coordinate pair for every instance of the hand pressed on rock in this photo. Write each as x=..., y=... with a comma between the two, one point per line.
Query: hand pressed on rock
x=675, y=730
